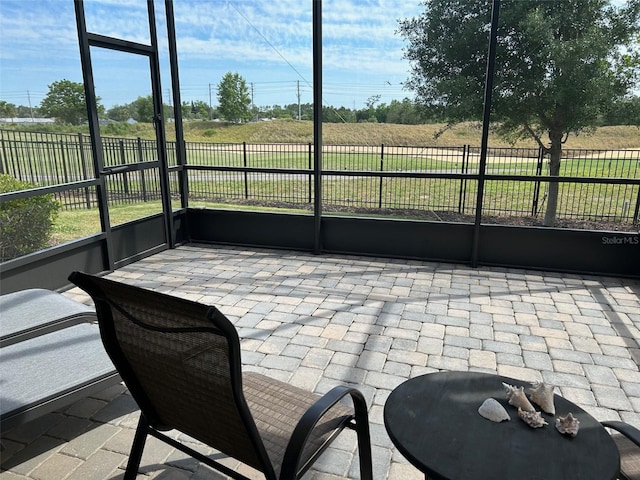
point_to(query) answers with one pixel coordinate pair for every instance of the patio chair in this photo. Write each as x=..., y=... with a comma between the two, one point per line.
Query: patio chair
x=627, y=439
x=181, y=362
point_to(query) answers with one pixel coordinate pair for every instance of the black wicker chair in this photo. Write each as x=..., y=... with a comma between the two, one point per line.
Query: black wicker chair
x=181, y=362
x=627, y=439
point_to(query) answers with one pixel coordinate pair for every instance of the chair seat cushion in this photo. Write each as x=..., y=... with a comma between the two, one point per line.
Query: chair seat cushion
x=277, y=408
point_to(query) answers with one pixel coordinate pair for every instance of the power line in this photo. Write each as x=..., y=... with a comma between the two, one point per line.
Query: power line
x=268, y=42
x=278, y=52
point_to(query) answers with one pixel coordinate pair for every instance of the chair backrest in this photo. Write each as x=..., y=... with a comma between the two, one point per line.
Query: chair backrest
x=181, y=362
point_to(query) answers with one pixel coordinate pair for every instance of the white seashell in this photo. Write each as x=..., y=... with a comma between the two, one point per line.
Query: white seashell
x=542, y=395
x=517, y=398
x=533, y=419
x=568, y=425
x=492, y=410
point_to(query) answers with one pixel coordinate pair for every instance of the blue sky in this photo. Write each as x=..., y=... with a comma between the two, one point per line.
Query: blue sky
x=268, y=42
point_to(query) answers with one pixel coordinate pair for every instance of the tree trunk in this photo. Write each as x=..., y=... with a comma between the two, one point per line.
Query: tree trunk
x=555, y=152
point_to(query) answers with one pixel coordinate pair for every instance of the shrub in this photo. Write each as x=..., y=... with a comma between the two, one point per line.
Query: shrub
x=25, y=224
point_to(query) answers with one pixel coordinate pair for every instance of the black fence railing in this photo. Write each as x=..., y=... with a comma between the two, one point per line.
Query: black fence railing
x=595, y=185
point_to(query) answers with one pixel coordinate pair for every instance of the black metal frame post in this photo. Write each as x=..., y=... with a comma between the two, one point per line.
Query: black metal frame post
x=158, y=121
x=88, y=40
x=181, y=151
x=94, y=132
x=317, y=124
x=486, y=117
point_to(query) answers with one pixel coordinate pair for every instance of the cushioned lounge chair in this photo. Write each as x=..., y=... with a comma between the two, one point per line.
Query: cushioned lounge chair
x=51, y=355
x=181, y=363
x=627, y=439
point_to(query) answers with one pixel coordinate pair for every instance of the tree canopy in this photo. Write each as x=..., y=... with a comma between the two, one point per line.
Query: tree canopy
x=66, y=102
x=560, y=66
x=7, y=109
x=233, y=98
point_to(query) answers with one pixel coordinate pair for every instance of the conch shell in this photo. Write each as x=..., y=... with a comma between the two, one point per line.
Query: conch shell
x=533, y=419
x=568, y=425
x=492, y=410
x=542, y=395
x=517, y=398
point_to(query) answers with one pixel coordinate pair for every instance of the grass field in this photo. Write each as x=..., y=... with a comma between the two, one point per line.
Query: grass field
x=292, y=131
x=359, y=149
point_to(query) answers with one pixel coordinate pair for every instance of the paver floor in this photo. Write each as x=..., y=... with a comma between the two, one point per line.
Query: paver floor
x=318, y=321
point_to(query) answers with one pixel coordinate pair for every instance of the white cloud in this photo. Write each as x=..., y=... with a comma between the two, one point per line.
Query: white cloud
x=271, y=40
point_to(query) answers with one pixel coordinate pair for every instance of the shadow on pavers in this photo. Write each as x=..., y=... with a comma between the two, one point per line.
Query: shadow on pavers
x=26, y=442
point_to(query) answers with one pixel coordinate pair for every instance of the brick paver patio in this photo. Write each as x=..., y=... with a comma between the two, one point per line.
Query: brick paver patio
x=317, y=321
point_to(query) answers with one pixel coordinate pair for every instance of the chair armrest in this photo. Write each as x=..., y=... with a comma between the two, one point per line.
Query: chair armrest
x=629, y=431
x=313, y=415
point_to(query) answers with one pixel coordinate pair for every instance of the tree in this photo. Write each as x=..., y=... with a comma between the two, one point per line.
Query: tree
x=234, y=98
x=121, y=113
x=24, y=111
x=7, y=110
x=404, y=112
x=368, y=114
x=624, y=112
x=560, y=65
x=196, y=110
x=66, y=102
x=143, y=109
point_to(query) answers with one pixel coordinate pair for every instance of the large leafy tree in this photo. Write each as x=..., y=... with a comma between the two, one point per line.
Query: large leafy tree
x=143, y=109
x=66, y=102
x=560, y=66
x=233, y=98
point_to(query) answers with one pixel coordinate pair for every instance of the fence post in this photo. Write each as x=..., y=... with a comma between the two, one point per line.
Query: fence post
x=462, y=196
x=125, y=176
x=536, y=189
x=83, y=166
x=65, y=170
x=246, y=174
x=310, y=176
x=636, y=211
x=4, y=156
x=381, y=170
x=13, y=164
x=142, y=171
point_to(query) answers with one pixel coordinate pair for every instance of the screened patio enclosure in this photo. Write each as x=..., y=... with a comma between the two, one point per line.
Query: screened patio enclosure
x=179, y=219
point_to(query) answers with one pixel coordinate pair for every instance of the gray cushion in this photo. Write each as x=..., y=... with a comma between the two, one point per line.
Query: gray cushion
x=28, y=309
x=49, y=365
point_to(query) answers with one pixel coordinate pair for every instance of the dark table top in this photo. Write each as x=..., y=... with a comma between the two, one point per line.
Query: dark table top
x=434, y=422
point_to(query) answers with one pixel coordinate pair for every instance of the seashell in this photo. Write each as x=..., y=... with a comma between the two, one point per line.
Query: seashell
x=492, y=410
x=542, y=395
x=533, y=419
x=568, y=425
x=517, y=398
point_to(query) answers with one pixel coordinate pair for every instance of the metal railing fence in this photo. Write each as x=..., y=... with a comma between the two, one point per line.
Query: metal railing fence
x=594, y=184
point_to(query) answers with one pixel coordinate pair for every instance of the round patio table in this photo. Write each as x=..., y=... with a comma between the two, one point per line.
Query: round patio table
x=434, y=422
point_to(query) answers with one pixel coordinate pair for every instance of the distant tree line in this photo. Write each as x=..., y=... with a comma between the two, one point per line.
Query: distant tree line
x=65, y=102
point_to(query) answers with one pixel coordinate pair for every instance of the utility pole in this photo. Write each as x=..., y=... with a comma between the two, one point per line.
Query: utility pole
x=299, y=113
x=30, y=108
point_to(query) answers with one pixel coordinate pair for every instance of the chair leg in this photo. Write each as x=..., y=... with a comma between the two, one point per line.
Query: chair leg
x=364, y=437
x=136, y=449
